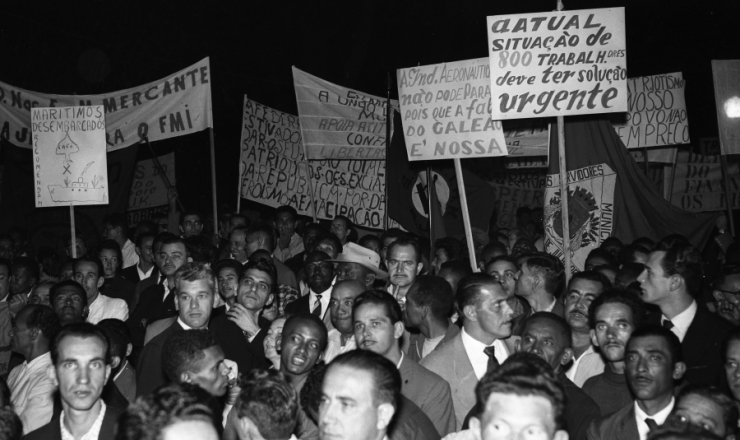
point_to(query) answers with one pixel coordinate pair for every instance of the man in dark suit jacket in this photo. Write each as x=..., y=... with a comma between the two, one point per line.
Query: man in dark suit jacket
x=319, y=273
x=429, y=302
x=82, y=345
x=671, y=280
x=144, y=249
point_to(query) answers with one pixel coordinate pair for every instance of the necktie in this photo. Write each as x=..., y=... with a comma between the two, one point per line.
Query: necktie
x=317, y=310
x=492, y=361
x=650, y=422
x=668, y=324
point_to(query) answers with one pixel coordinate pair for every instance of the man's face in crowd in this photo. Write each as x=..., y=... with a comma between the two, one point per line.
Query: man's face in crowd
x=111, y=233
x=228, y=282
x=340, y=229
x=440, y=256
x=387, y=242
x=348, y=408
x=109, y=258
x=327, y=246
x=285, y=224
x=191, y=225
x=81, y=371
x=173, y=256
x=510, y=416
x=86, y=273
x=238, y=245
x=309, y=235
x=727, y=294
x=655, y=284
x=255, y=289
x=355, y=271
x=69, y=305
x=21, y=334
x=319, y=273
x=80, y=247
x=301, y=346
x=543, y=338
x=374, y=330
x=614, y=326
x=340, y=306
x=701, y=412
x=272, y=336
x=6, y=249
x=732, y=367
x=403, y=265
x=580, y=295
x=505, y=273
x=413, y=314
x=493, y=312
x=4, y=281
x=194, y=303
x=162, y=224
x=145, y=252
x=21, y=281
x=649, y=368
x=39, y=295
x=524, y=281
x=211, y=373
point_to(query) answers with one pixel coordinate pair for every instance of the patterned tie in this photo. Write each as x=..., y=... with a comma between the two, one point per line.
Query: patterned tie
x=492, y=361
x=667, y=324
x=650, y=422
x=317, y=310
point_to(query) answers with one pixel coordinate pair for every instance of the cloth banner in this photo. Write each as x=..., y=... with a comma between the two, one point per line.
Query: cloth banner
x=148, y=197
x=515, y=190
x=727, y=99
x=699, y=184
x=339, y=123
x=608, y=195
x=273, y=172
x=174, y=106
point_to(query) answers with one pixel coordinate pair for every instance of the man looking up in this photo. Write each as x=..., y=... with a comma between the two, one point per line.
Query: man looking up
x=613, y=316
x=429, y=304
x=342, y=336
x=69, y=301
x=539, y=282
x=486, y=318
x=289, y=243
x=671, y=279
x=81, y=367
x=89, y=273
x=145, y=268
x=302, y=342
x=653, y=365
x=191, y=224
x=31, y=389
x=116, y=228
x=404, y=264
x=378, y=328
x=583, y=288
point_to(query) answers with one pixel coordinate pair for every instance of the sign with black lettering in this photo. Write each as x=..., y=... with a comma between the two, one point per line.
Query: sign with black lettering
x=514, y=190
x=148, y=188
x=699, y=185
x=558, y=63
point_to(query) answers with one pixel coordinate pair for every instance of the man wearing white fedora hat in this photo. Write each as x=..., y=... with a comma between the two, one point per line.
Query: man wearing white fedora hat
x=359, y=264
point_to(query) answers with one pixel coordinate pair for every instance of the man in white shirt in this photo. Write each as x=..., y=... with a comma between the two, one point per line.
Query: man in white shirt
x=341, y=226
x=31, y=389
x=653, y=366
x=319, y=273
x=88, y=271
x=145, y=267
x=116, y=228
x=539, y=281
x=289, y=243
x=342, y=336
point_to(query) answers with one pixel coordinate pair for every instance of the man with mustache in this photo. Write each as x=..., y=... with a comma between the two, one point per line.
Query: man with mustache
x=404, y=264
x=583, y=288
x=653, y=365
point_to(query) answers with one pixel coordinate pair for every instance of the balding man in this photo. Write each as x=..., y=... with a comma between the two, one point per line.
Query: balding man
x=342, y=336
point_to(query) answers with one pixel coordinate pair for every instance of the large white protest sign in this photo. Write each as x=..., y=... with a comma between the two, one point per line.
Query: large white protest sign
x=174, y=106
x=699, y=185
x=69, y=158
x=446, y=111
x=558, y=63
x=657, y=112
x=273, y=172
x=337, y=122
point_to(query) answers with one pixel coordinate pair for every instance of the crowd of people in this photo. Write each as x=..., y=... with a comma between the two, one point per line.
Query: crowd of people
x=280, y=328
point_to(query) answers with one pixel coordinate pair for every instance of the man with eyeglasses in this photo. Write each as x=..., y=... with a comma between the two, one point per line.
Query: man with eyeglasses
x=726, y=291
x=116, y=228
x=404, y=264
x=190, y=224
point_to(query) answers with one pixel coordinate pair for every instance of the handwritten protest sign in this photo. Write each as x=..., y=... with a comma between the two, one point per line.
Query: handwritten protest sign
x=699, y=184
x=337, y=122
x=174, y=106
x=69, y=156
x=558, y=63
x=514, y=190
x=148, y=196
x=446, y=111
x=657, y=112
x=273, y=172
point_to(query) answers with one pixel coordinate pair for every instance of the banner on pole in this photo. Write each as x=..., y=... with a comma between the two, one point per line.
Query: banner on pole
x=558, y=63
x=148, y=196
x=69, y=156
x=339, y=123
x=446, y=111
x=273, y=172
x=727, y=99
x=699, y=184
x=174, y=106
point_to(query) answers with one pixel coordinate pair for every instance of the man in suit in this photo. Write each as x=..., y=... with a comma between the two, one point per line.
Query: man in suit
x=145, y=268
x=378, y=327
x=261, y=236
x=653, y=365
x=486, y=318
x=429, y=303
x=539, y=281
x=319, y=274
x=404, y=264
x=122, y=371
x=671, y=280
x=194, y=291
x=81, y=367
x=158, y=263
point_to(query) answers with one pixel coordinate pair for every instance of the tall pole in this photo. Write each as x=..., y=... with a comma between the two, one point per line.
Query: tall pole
x=239, y=190
x=310, y=181
x=388, y=122
x=728, y=189
x=430, y=188
x=466, y=214
x=213, y=181
x=72, y=225
x=564, y=197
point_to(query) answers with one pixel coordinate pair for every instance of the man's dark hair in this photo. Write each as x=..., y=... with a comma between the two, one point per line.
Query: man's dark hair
x=433, y=292
x=110, y=245
x=313, y=319
x=247, y=222
x=161, y=238
x=506, y=258
x=143, y=236
x=386, y=378
x=612, y=241
x=87, y=259
x=28, y=263
x=628, y=274
x=407, y=241
x=200, y=249
x=184, y=348
x=457, y=268
x=491, y=247
x=187, y=213
x=219, y=265
x=723, y=401
x=591, y=275
x=725, y=271
x=151, y=414
x=45, y=319
x=11, y=427
x=83, y=330
x=54, y=291
x=270, y=402
x=310, y=396
x=670, y=241
x=347, y=222
x=468, y=289
x=618, y=296
x=392, y=233
x=603, y=254
x=523, y=374
x=684, y=260
x=551, y=269
x=267, y=266
x=117, y=220
x=286, y=208
x=557, y=320
x=450, y=245
x=365, y=239
x=672, y=342
x=380, y=298
x=177, y=240
x=119, y=336
x=628, y=254
x=681, y=431
x=262, y=229
x=334, y=241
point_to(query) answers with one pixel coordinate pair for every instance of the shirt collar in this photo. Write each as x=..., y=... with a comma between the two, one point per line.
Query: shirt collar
x=400, y=361
x=551, y=306
x=683, y=319
x=659, y=417
x=94, y=429
x=187, y=327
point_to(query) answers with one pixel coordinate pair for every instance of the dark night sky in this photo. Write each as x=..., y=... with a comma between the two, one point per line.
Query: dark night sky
x=97, y=47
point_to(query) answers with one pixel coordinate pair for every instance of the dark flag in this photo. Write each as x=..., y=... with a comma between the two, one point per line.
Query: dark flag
x=609, y=195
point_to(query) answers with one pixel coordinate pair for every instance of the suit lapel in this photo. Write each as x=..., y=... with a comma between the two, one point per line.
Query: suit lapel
x=461, y=363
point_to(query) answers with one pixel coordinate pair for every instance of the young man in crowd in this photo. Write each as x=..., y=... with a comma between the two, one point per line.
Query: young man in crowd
x=145, y=268
x=89, y=273
x=191, y=224
x=227, y=274
x=341, y=337
x=262, y=237
x=539, y=282
x=341, y=226
x=69, y=301
x=319, y=274
x=301, y=343
x=289, y=243
x=504, y=269
x=114, y=284
x=429, y=304
x=116, y=228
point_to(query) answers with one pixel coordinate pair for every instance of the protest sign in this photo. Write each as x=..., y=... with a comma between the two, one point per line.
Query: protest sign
x=514, y=190
x=558, y=63
x=657, y=112
x=174, y=106
x=69, y=156
x=148, y=196
x=337, y=122
x=726, y=75
x=445, y=110
x=698, y=183
x=273, y=172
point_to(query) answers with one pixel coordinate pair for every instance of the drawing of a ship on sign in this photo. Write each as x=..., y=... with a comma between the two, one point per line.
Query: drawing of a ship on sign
x=79, y=190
